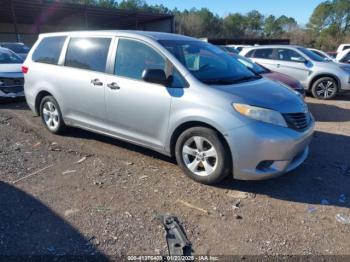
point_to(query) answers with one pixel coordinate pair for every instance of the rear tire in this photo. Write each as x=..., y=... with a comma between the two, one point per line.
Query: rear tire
x=325, y=88
x=51, y=115
x=202, y=155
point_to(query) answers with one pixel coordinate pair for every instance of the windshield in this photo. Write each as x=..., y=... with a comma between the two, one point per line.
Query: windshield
x=259, y=69
x=311, y=54
x=9, y=57
x=17, y=48
x=208, y=63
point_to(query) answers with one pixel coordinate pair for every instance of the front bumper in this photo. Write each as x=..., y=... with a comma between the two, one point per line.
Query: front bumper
x=253, y=145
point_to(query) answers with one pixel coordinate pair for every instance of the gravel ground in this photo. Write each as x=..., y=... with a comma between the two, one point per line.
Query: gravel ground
x=83, y=194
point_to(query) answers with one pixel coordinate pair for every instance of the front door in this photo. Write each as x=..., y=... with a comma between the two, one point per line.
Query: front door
x=137, y=110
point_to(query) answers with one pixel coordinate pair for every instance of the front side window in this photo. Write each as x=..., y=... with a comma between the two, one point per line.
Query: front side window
x=208, y=63
x=311, y=55
x=265, y=53
x=133, y=57
x=289, y=55
x=9, y=57
x=88, y=53
x=49, y=49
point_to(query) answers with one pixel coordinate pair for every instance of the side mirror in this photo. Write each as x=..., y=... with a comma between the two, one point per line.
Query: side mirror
x=156, y=76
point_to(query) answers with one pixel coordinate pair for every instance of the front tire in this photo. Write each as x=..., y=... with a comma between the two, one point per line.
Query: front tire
x=325, y=88
x=51, y=115
x=202, y=155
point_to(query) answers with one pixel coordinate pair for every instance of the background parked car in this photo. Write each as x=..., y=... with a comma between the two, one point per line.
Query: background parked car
x=19, y=48
x=239, y=48
x=267, y=73
x=344, y=56
x=322, y=78
x=11, y=76
x=228, y=49
x=343, y=47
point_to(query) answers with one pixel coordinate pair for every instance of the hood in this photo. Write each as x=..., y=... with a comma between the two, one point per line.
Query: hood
x=10, y=68
x=289, y=81
x=267, y=94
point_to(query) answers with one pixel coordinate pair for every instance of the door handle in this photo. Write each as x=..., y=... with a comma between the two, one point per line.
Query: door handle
x=113, y=86
x=96, y=82
x=278, y=65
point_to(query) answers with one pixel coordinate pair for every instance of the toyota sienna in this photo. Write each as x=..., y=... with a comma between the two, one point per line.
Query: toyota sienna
x=174, y=94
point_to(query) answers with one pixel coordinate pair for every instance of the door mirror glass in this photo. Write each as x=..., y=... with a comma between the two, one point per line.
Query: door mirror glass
x=155, y=76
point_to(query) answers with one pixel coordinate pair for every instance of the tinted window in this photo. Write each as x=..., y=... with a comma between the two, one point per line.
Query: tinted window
x=49, y=50
x=133, y=57
x=208, y=63
x=9, y=57
x=263, y=53
x=311, y=54
x=250, y=53
x=17, y=48
x=88, y=53
x=289, y=55
x=346, y=58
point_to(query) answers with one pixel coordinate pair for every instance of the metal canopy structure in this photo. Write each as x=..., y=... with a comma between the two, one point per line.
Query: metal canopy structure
x=39, y=13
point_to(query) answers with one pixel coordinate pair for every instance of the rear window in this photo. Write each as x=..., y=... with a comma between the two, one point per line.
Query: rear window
x=88, y=53
x=49, y=49
x=263, y=53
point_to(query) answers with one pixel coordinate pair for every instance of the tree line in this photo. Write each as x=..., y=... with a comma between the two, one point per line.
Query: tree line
x=328, y=26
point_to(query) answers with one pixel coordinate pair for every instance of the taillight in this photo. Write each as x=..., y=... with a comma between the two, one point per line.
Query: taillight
x=25, y=69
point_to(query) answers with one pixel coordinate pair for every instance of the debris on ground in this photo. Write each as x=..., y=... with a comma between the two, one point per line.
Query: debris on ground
x=240, y=194
x=32, y=174
x=143, y=177
x=68, y=172
x=70, y=212
x=192, y=206
x=81, y=160
x=177, y=241
x=311, y=209
x=342, y=219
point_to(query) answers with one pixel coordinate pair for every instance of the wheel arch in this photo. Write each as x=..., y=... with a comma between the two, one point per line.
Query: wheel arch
x=38, y=99
x=319, y=76
x=189, y=124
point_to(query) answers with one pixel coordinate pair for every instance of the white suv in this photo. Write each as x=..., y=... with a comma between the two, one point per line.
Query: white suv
x=324, y=79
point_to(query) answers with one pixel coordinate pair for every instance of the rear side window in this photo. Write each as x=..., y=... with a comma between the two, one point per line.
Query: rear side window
x=88, y=53
x=49, y=49
x=263, y=53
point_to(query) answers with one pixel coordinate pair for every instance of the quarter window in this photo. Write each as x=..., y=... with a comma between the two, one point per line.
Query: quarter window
x=263, y=53
x=49, y=50
x=88, y=53
x=133, y=57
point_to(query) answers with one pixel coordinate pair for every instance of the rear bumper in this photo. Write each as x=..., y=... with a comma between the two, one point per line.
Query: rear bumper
x=283, y=149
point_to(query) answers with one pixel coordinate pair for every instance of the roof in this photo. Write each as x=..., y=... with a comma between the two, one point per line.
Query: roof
x=149, y=34
x=46, y=12
x=272, y=46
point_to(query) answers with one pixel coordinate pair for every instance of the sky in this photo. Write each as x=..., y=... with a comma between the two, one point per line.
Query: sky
x=301, y=10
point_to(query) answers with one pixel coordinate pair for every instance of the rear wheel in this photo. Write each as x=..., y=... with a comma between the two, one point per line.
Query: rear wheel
x=51, y=115
x=325, y=88
x=202, y=155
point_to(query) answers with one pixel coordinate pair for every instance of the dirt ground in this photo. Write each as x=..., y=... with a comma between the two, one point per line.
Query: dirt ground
x=106, y=203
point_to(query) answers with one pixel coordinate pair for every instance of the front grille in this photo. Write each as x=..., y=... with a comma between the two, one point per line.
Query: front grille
x=6, y=82
x=297, y=121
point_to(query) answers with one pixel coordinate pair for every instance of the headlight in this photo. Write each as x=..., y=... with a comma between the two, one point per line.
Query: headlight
x=260, y=114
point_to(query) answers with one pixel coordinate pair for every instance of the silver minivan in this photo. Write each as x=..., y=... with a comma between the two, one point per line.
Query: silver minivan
x=174, y=94
x=324, y=79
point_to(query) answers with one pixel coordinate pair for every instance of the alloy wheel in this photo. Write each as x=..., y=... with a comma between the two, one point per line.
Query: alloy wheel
x=326, y=89
x=51, y=115
x=200, y=156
